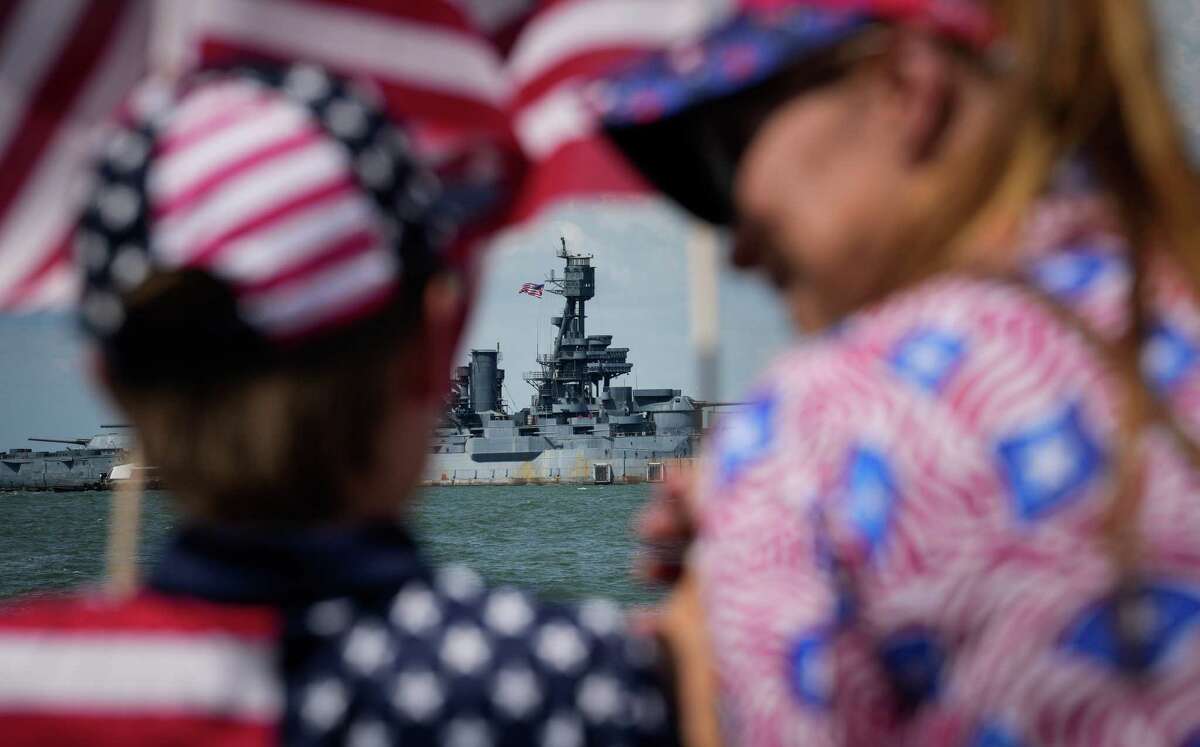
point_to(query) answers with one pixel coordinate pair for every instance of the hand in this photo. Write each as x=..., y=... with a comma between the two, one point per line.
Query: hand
x=666, y=528
x=681, y=627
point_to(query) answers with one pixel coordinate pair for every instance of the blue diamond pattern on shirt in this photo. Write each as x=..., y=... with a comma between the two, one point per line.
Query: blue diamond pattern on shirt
x=928, y=358
x=1161, y=616
x=1048, y=464
x=872, y=495
x=1168, y=356
x=913, y=660
x=810, y=666
x=747, y=436
x=993, y=735
x=1068, y=273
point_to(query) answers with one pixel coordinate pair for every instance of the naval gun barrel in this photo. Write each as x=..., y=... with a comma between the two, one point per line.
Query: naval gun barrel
x=72, y=441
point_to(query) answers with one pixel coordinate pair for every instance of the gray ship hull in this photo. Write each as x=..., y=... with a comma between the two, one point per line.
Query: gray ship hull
x=591, y=460
x=56, y=471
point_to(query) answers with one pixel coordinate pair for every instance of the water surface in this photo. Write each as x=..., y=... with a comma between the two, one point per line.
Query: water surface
x=563, y=541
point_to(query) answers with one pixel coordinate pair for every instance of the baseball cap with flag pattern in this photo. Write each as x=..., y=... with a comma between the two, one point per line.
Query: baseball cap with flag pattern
x=650, y=109
x=254, y=214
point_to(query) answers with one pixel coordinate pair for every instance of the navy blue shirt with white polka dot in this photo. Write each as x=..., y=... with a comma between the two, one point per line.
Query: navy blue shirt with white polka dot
x=380, y=648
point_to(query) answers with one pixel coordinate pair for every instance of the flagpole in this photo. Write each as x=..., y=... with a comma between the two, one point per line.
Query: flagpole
x=167, y=55
x=123, y=525
x=703, y=267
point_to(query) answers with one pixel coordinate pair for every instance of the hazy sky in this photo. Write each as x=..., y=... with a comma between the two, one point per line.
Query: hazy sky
x=641, y=299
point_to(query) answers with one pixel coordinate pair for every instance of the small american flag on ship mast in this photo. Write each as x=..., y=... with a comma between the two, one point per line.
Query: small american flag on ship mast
x=533, y=289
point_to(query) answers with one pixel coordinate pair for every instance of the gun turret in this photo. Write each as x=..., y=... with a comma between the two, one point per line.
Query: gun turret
x=71, y=441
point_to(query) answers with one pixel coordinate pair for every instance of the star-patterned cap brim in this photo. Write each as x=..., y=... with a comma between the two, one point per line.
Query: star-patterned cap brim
x=659, y=111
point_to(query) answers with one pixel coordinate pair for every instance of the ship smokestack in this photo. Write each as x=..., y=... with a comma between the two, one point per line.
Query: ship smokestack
x=484, y=380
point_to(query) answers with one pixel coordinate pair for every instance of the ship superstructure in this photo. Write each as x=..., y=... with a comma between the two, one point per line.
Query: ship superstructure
x=579, y=426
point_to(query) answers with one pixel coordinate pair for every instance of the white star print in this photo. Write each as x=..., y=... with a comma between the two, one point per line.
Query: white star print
x=559, y=645
x=374, y=167
x=458, y=582
x=465, y=649
x=130, y=267
x=467, y=732
x=562, y=730
x=346, y=118
x=307, y=83
x=507, y=612
x=601, y=617
x=118, y=205
x=368, y=734
x=366, y=648
x=418, y=695
x=323, y=703
x=416, y=610
x=128, y=150
x=516, y=693
x=599, y=698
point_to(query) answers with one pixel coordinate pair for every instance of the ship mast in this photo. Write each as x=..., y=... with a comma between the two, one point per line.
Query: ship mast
x=569, y=383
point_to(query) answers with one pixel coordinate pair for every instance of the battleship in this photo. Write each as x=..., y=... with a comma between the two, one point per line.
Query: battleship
x=578, y=427
x=86, y=463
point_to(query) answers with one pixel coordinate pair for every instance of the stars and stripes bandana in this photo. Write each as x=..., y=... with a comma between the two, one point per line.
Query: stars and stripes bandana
x=286, y=192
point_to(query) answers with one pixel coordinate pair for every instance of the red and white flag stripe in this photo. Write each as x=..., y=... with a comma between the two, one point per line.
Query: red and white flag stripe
x=137, y=673
x=488, y=89
x=560, y=50
x=64, y=67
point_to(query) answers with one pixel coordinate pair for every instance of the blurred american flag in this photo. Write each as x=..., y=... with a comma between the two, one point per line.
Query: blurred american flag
x=532, y=289
x=492, y=89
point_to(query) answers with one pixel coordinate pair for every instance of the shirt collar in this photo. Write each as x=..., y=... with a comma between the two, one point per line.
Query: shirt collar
x=286, y=566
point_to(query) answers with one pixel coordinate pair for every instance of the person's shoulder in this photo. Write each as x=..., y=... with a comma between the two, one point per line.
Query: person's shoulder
x=960, y=363
x=151, y=666
x=447, y=656
x=957, y=345
x=96, y=613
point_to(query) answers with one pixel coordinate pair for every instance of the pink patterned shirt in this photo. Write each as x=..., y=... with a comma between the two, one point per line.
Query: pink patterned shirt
x=899, y=540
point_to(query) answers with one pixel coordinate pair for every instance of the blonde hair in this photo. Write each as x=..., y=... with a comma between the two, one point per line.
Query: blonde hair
x=271, y=446
x=1082, y=78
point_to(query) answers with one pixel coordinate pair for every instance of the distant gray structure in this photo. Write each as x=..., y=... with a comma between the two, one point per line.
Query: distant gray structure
x=578, y=428
x=84, y=467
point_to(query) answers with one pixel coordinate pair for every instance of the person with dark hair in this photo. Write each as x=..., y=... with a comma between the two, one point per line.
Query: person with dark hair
x=966, y=509
x=268, y=283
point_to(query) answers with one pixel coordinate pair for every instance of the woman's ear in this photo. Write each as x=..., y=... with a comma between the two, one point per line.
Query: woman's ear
x=919, y=75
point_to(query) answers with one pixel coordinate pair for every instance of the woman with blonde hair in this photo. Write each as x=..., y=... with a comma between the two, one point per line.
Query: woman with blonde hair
x=966, y=510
